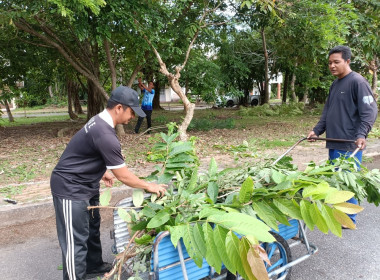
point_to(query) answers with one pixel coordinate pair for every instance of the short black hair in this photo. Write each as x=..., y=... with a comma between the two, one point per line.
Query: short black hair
x=344, y=50
x=111, y=104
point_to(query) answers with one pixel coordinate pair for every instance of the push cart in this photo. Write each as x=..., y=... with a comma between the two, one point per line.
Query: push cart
x=168, y=262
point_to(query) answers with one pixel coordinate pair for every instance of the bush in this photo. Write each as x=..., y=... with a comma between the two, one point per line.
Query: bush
x=292, y=109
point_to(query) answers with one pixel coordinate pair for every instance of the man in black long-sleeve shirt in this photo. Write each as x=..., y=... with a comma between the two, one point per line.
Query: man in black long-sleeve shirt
x=350, y=110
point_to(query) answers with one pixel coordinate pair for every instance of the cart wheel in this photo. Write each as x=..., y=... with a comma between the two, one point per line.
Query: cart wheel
x=279, y=255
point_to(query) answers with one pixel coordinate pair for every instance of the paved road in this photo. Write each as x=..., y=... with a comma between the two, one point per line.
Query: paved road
x=355, y=256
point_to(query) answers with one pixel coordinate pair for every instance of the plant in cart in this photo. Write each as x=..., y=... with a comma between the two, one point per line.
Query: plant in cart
x=210, y=210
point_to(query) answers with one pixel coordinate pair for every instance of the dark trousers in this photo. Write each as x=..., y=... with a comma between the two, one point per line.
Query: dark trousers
x=148, y=120
x=78, y=235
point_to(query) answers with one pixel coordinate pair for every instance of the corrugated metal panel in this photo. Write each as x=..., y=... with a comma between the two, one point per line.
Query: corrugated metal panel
x=121, y=233
x=288, y=232
x=168, y=255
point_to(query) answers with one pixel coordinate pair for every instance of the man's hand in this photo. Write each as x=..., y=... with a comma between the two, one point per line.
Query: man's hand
x=360, y=143
x=108, y=179
x=311, y=134
x=158, y=189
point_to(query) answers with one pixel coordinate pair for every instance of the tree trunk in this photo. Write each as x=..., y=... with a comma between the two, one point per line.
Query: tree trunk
x=189, y=109
x=374, y=66
x=261, y=88
x=10, y=116
x=51, y=92
x=285, y=88
x=95, y=101
x=134, y=75
x=267, y=93
x=71, y=88
x=292, y=88
x=77, y=106
x=305, y=97
x=111, y=65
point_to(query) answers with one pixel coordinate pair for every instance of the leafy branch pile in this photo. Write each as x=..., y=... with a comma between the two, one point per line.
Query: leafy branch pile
x=207, y=210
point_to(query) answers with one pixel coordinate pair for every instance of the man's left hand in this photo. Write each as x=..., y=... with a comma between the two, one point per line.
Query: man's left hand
x=360, y=143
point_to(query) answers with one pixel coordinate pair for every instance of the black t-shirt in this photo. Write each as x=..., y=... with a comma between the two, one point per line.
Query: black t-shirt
x=349, y=113
x=92, y=150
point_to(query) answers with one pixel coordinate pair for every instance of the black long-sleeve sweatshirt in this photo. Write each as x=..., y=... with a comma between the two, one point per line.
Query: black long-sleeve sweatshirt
x=349, y=113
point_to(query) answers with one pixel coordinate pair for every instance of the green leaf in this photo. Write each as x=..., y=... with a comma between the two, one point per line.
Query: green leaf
x=213, y=168
x=148, y=212
x=212, y=190
x=305, y=212
x=193, y=180
x=283, y=186
x=164, y=137
x=184, y=147
x=246, y=191
x=287, y=207
x=348, y=208
x=232, y=247
x=352, y=179
x=338, y=196
x=181, y=158
x=138, y=197
x=144, y=240
x=318, y=219
x=278, y=177
x=153, y=197
x=321, y=170
x=140, y=226
x=220, y=235
x=198, y=239
x=105, y=197
x=321, y=188
x=176, y=233
x=165, y=177
x=161, y=218
x=124, y=215
x=281, y=217
x=334, y=226
x=188, y=240
x=212, y=256
x=244, y=225
x=248, y=210
x=208, y=211
x=265, y=213
x=155, y=206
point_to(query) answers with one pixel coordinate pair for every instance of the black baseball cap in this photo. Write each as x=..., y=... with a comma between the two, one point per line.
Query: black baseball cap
x=129, y=97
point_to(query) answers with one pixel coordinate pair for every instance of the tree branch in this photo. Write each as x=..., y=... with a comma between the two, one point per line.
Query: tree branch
x=110, y=63
x=24, y=25
x=50, y=32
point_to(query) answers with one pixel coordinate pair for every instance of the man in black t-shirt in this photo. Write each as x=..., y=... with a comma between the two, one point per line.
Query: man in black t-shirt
x=350, y=110
x=76, y=179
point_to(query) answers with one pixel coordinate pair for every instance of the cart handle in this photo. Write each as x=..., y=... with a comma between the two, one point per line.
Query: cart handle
x=318, y=138
x=331, y=139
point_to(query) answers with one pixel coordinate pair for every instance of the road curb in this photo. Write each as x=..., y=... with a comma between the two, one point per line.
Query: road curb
x=13, y=215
